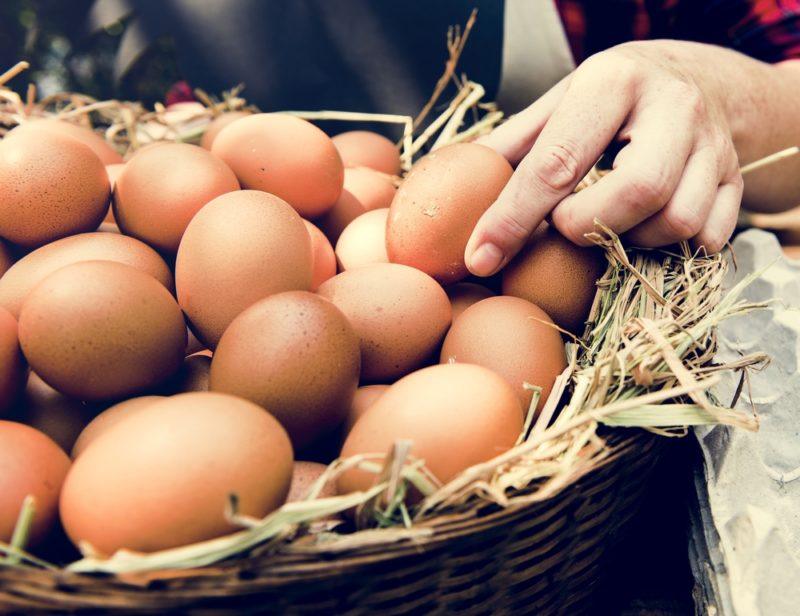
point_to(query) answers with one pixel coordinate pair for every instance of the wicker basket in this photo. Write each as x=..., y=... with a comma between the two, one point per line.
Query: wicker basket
x=544, y=557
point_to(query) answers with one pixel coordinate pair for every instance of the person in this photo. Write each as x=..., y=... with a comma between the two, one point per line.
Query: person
x=683, y=92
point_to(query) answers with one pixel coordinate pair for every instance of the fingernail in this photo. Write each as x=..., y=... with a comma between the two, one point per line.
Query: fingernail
x=486, y=260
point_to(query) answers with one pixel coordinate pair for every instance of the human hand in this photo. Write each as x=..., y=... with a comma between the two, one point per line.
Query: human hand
x=676, y=178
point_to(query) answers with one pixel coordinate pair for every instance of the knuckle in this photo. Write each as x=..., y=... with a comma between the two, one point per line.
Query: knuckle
x=682, y=224
x=689, y=97
x=508, y=223
x=557, y=168
x=651, y=189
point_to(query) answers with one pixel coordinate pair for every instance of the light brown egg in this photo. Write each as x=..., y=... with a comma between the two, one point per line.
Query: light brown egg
x=192, y=375
x=34, y=267
x=296, y=355
x=792, y=252
x=303, y=478
x=363, y=148
x=512, y=337
x=217, y=124
x=52, y=186
x=113, y=171
x=98, y=330
x=6, y=258
x=346, y=209
x=557, y=276
x=364, y=398
x=13, y=371
x=32, y=465
x=90, y=138
x=324, y=259
x=285, y=156
x=463, y=294
x=266, y=250
x=456, y=415
x=163, y=477
x=438, y=205
x=363, y=241
x=108, y=418
x=400, y=315
x=163, y=188
x=372, y=189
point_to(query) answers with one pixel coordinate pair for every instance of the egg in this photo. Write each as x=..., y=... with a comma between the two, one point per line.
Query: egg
x=13, y=371
x=463, y=294
x=98, y=330
x=791, y=252
x=324, y=259
x=400, y=315
x=108, y=418
x=363, y=148
x=6, y=258
x=513, y=337
x=346, y=209
x=34, y=267
x=52, y=186
x=296, y=355
x=238, y=249
x=163, y=188
x=438, y=204
x=556, y=275
x=162, y=478
x=455, y=415
x=102, y=148
x=217, y=124
x=113, y=171
x=285, y=156
x=364, y=398
x=32, y=465
x=303, y=478
x=191, y=376
x=363, y=241
x=372, y=189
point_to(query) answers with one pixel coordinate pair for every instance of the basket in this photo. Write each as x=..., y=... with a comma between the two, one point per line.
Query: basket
x=544, y=557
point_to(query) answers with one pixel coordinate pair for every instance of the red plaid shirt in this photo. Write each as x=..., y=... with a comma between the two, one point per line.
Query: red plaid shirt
x=765, y=29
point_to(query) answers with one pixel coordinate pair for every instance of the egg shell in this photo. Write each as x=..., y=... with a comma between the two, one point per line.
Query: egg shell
x=455, y=415
x=324, y=258
x=99, y=330
x=13, y=371
x=191, y=376
x=400, y=315
x=285, y=156
x=303, y=478
x=163, y=188
x=372, y=189
x=556, y=275
x=217, y=124
x=439, y=203
x=52, y=186
x=32, y=465
x=346, y=209
x=512, y=337
x=34, y=267
x=296, y=355
x=266, y=250
x=363, y=241
x=113, y=171
x=6, y=258
x=463, y=294
x=110, y=417
x=94, y=141
x=364, y=398
x=792, y=252
x=162, y=477
x=363, y=148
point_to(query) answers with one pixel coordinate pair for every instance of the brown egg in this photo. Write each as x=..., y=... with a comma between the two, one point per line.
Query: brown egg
x=456, y=415
x=324, y=259
x=113, y=171
x=399, y=313
x=285, y=156
x=98, y=330
x=346, y=209
x=13, y=371
x=52, y=186
x=557, y=276
x=303, y=478
x=192, y=375
x=363, y=148
x=163, y=477
x=108, y=418
x=510, y=336
x=217, y=124
x=6, y=258
x=372, y=189
x=438, y=205
x=34, y=267
x=94, y=141
x=193, y=345
x=365, y=397
x=363, y=241
x=32, y=465
x=463, y=294
x=296, y=355
x=266, y=250
x=163, y=188
x=792, y=252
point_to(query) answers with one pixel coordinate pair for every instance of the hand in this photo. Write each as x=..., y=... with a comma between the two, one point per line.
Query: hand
x=675, y=178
